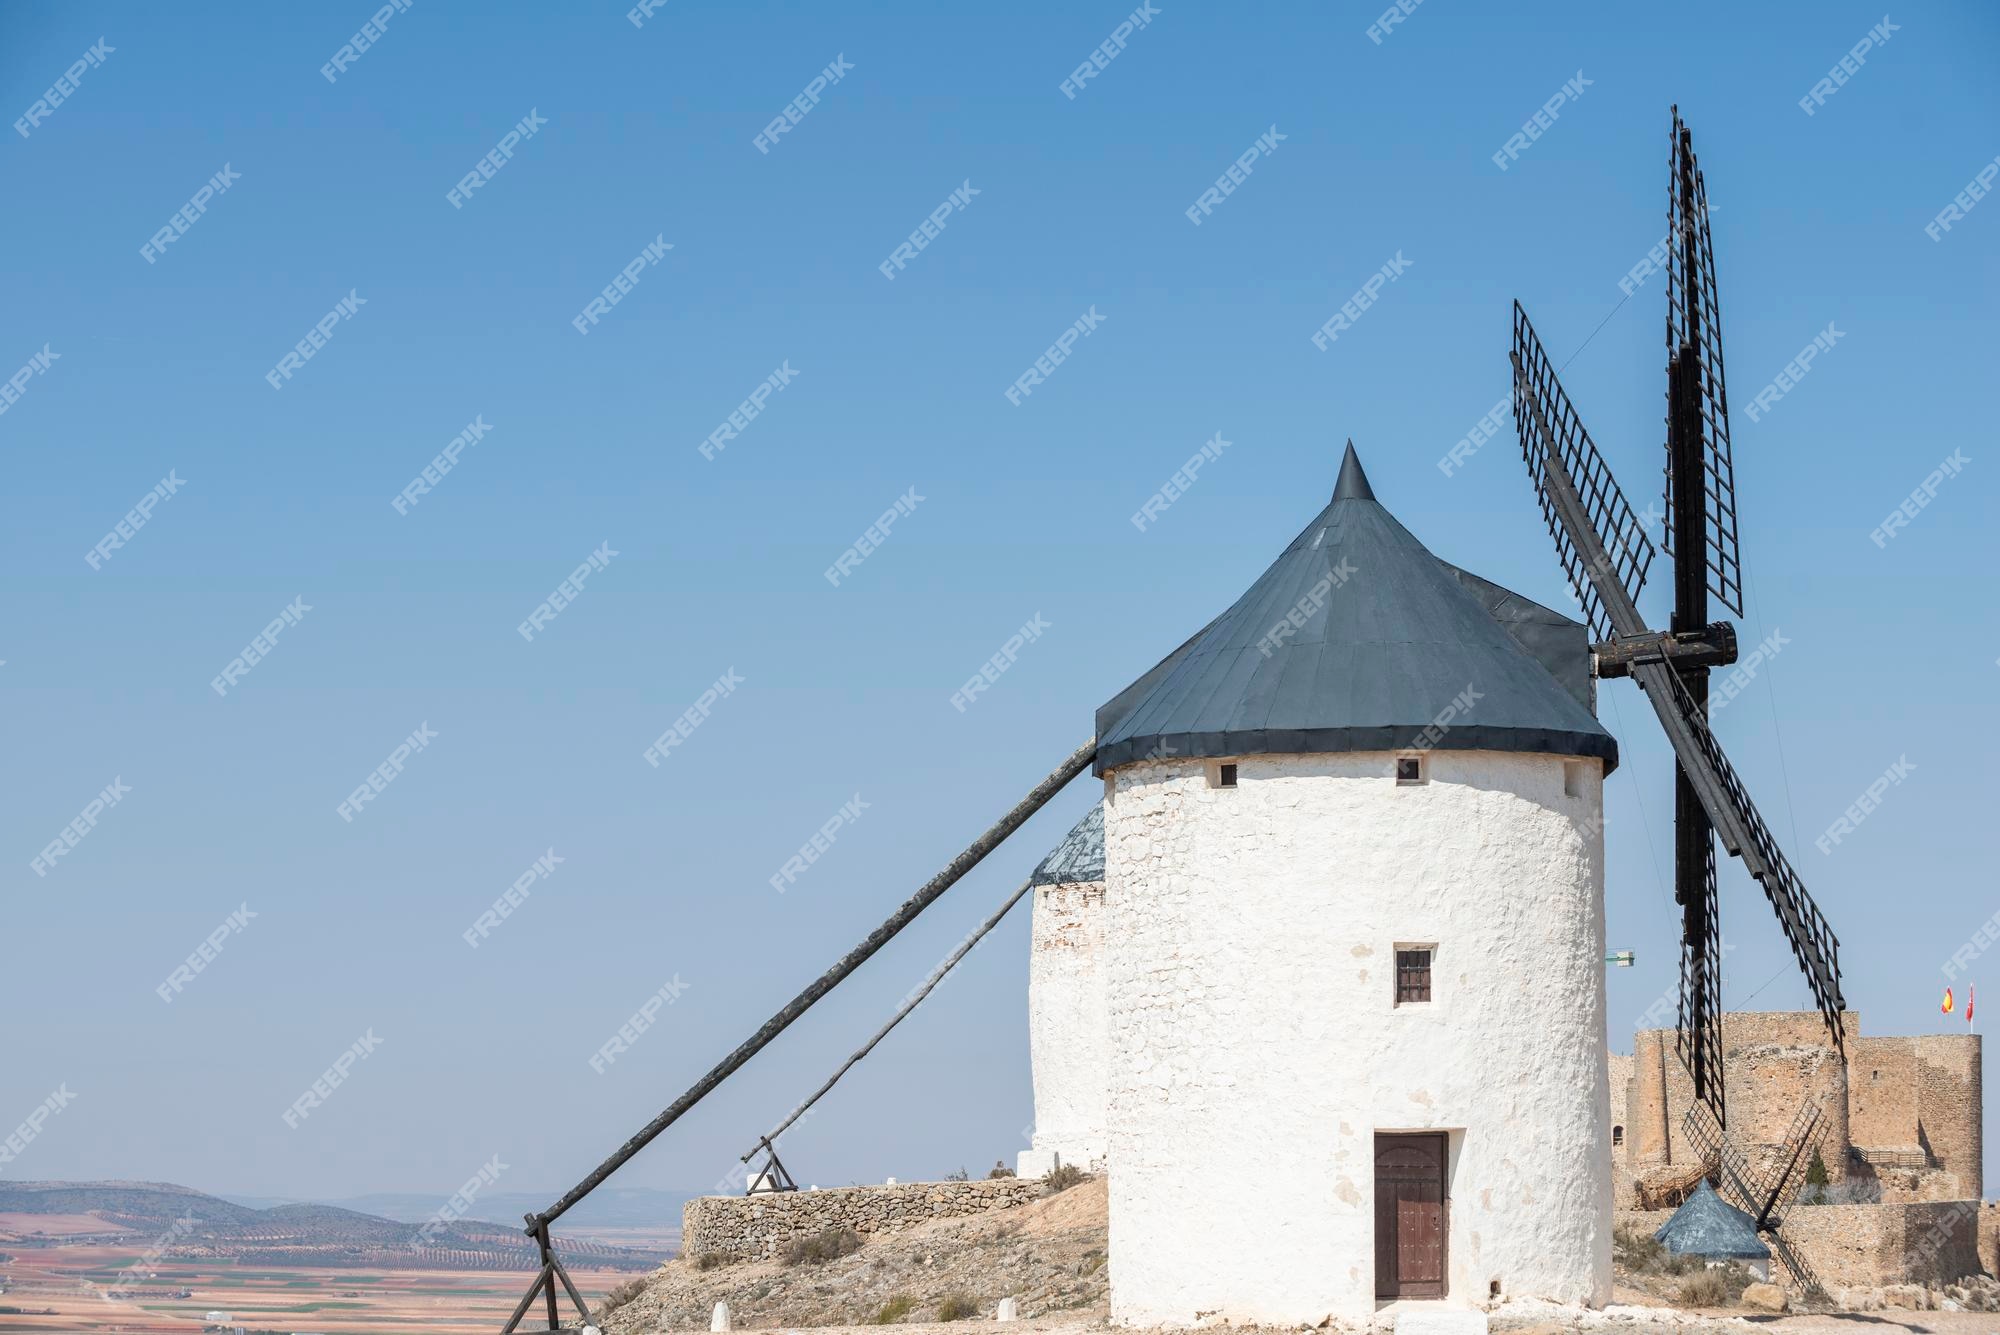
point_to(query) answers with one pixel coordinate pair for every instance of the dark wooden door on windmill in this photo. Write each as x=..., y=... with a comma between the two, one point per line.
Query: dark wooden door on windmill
x=1412, y=1216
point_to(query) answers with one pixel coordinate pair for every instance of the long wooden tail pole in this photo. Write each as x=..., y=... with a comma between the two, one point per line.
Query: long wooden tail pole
x=914, y=1000
x=932, y=889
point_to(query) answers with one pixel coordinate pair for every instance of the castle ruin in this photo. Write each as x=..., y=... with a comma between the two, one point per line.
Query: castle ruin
x=1904, y=1113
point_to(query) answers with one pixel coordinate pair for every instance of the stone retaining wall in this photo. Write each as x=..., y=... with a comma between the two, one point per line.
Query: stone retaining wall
x=760, y=1227
x=1869, y=1246
x=1989, y=1237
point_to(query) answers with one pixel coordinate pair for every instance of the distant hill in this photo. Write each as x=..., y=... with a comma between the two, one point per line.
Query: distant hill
x=298, y=1233
x=607, y=1207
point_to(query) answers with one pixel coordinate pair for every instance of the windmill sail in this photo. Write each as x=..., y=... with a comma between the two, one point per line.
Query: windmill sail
x=1744, y=834
x=1708, y=773
x=1697, y=395
x=1698, y=1037
x=1550, y=428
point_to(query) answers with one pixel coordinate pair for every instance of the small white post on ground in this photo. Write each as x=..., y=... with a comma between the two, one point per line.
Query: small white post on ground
x=1010, y=1310
x=720, y=1320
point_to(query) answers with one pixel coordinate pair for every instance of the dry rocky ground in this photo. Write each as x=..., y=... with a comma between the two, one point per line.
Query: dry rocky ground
x=1049, y=1255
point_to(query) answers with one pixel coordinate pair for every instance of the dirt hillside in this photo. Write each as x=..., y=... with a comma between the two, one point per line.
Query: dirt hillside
x=1048, y=1254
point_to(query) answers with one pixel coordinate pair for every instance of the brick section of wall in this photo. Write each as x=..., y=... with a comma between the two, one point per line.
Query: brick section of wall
x=760, y=1227
x=1621, y=1089
x=1950, y=1105
x=1868, y=1246
x=1882, y=1094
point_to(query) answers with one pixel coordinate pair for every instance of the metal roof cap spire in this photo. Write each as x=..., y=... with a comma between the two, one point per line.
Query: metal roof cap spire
x=1353, y=483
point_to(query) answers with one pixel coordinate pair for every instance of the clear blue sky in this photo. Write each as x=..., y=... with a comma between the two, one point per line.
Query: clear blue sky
x=1025, y=511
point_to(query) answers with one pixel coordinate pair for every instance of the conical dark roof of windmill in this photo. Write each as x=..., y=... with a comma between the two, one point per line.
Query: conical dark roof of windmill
x=1358, y=639
x=1711, y=1228
x=1079, y=858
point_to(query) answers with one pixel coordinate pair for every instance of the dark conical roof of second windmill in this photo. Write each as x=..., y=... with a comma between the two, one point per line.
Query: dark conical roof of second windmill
x=1711, y=1228
x=1079, y=858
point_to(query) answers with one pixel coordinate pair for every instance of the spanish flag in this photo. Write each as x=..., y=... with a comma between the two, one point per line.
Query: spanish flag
x=1946, y=1008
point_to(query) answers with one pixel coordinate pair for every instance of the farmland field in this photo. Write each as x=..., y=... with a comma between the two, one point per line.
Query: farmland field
x=75, y=1288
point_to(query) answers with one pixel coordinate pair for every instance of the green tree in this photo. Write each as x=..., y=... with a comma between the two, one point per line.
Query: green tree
x=1816, y=1178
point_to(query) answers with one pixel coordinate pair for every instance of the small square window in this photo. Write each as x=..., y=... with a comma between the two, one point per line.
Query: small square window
x=1222, y=775
x=1572, y=778
x=1409, y=769
x=1413, y=976
x=1617, y=1136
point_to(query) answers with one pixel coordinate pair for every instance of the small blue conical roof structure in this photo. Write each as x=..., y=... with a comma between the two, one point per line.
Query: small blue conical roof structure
x=1079, y=858
x=1711, y=1228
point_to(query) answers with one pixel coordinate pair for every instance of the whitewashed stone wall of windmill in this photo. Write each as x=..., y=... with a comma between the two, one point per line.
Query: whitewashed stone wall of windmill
x=1249, y=943
x=1069, y=1032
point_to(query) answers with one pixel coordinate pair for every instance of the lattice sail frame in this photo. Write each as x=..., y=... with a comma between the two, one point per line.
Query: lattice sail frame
x=1618, y=527
x=1756, y=1194
x=1813, y=943
x=1698, y=1037
x=1694, y=322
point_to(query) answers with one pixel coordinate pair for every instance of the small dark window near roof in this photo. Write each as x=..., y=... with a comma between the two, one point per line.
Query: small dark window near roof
x=1617, y=1135
x=1413, y=976
x=1409, y=769
x=1225, y=776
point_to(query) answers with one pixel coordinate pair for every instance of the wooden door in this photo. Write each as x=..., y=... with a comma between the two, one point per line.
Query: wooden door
x=1412, y=1216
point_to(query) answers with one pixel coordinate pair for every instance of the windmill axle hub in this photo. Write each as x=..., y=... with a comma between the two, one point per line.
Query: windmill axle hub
x=1714, y=645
